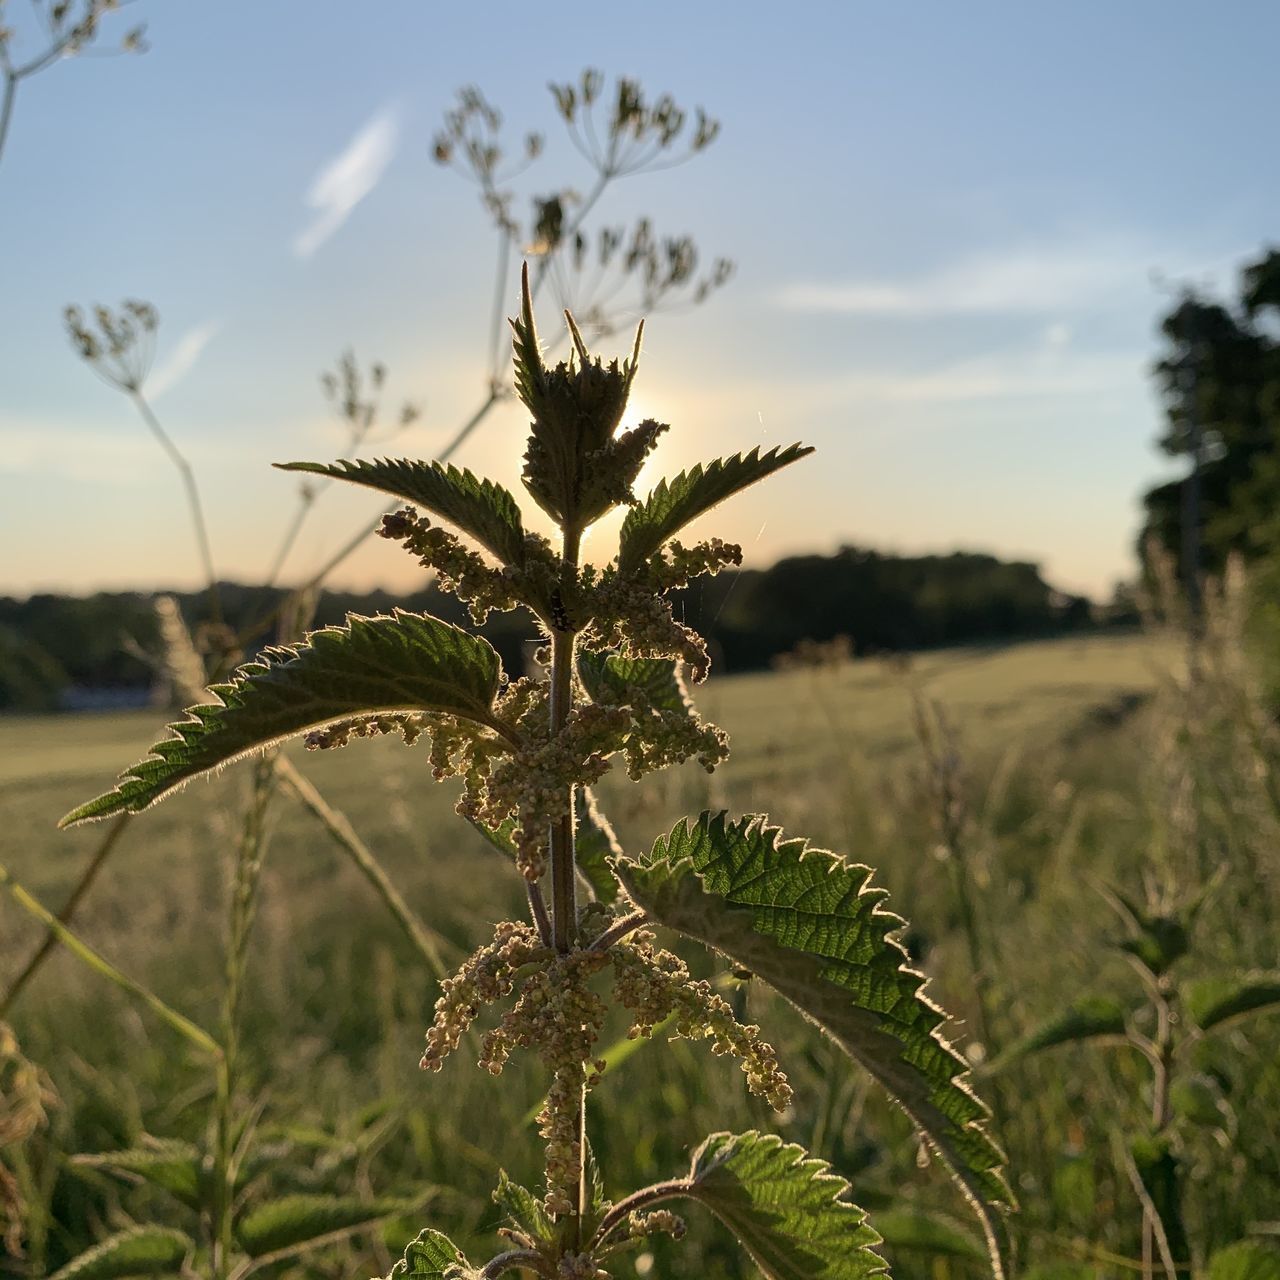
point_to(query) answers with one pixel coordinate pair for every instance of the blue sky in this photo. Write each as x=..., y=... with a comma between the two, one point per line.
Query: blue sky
x=946, y=221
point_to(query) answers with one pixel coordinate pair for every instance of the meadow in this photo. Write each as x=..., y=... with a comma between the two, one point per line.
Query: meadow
x=1001, y=794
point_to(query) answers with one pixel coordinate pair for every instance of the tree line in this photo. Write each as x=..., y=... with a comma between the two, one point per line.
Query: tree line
x=52, y=645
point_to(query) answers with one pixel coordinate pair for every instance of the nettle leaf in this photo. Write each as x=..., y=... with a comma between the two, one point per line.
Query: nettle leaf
x=295, y=1221
x=788, y=1210
x=1090, y=1018
x=1213, y=1001
x=595, y=847
x=479, y=508
x=1199, y=1098
x=1245, y=1260
x=432, y=1256
x=614, y=680
x=171, y=1165
x=140, y=1251
x=809, y=924
x=674, y=503
x=523, y=1208
x=407, y=662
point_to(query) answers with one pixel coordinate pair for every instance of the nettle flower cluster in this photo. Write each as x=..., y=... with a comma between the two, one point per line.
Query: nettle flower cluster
x=520, y=779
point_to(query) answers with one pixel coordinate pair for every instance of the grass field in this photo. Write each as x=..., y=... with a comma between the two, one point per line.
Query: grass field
x=1065, y=747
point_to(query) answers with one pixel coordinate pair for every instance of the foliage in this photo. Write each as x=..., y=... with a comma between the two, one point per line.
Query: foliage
x=788, y=1209
x=527, y=749
x=1220, y=374
x=811, y=925
x=402, y=663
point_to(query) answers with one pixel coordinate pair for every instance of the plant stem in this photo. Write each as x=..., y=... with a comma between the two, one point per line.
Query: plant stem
x=101, y=965
x=336, y=824
x=1153, y=1231
x=564, y=871
x=6, y=106
x=244, y=897
x=46, y=948
x=619, y=929
x=538, y=910
x=564, y=906
x=638, y=1200
x=524, y=1258
x=193, y=498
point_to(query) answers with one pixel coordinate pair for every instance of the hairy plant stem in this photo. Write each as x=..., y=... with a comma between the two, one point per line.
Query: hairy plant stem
x=564, y=905
x=564, y=871
x=538, y=910
x=244, y=898
x=526, y=1259
x=636, y=1201
x=619, y=930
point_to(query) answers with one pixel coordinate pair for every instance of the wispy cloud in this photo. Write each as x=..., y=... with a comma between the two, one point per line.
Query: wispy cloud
x=347, y=179
x=1044, y=278
x=182, y=358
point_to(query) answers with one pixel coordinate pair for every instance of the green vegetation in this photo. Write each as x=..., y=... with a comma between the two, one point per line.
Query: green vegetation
x=238, y=1100
x=1067, y=748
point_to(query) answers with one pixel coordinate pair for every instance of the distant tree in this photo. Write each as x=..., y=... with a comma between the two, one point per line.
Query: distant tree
x=30, y=679
x=1220, y=377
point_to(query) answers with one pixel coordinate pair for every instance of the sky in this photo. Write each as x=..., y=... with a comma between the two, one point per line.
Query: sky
x=955, y=228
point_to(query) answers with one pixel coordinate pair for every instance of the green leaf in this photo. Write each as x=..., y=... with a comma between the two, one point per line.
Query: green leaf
x=674, y=503
x=432, y=1256
x=140, y=1251
x=788, y=1210
x=523, y=1208
x=294, y=1221
x=479, y=508
x=616, y=681
x=1199, y=1098
x=1213, y=1001
x=809, y=924
x=916, y=1230
x=1089, y=1018
x=408, y=662
x=595, y=847
x=595, y=1180
x=174, y=1166
x=1245, y=1260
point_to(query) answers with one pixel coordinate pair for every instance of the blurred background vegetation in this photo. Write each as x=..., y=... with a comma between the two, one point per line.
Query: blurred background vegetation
x=1074, y=802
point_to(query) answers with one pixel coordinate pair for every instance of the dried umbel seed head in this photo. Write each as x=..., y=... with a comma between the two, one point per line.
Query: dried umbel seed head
x=119, y=345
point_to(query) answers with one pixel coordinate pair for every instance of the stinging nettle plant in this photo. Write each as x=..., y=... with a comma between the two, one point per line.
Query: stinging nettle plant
x=527, y=751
